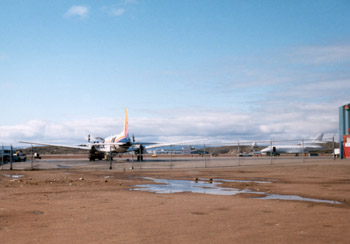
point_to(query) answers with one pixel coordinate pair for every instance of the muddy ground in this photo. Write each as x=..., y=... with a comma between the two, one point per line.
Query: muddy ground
x=76, y=206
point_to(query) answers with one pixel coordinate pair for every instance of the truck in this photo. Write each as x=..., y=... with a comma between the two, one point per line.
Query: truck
x=19, y=156
x=5, y=155
x=336, y=153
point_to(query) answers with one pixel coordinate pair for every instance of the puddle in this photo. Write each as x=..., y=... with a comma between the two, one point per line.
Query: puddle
x=177, y=186
x=297, y=198
x=245, y=181
x=13, y=176
x=62, y=166
x=202, y=186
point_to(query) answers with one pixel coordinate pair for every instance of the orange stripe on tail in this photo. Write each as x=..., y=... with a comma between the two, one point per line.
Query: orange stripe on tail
x=126, y=123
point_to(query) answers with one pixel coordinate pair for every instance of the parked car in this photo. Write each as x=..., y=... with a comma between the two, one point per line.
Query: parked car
x=19, y=156
x=245, y=154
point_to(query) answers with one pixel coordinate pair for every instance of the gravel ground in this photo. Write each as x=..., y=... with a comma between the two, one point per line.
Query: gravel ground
x=100, y=206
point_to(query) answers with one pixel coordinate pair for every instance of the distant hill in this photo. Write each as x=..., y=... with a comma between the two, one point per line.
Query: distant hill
x=54, y=150
x=230, y=150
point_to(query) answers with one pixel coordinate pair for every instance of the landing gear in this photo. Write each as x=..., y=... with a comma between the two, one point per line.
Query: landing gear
x=94, y=154
x=273, y=154
x=139, y=153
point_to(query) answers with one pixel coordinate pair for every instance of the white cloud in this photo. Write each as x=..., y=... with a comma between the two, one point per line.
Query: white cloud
x=78, y=10
x=304, y=121
x=282, y=99
x=130, y=2
x=55, y=132
x=119, y=9
x=117, y=12
x=322, y=54
x=276, y=77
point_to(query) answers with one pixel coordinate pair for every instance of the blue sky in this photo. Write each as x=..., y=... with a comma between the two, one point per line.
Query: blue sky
x=223, y=70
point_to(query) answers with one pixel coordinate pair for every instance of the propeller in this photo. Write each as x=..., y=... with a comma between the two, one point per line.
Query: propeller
x=101, y=139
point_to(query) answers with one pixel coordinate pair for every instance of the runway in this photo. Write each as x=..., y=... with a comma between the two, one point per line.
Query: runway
x=162, y=162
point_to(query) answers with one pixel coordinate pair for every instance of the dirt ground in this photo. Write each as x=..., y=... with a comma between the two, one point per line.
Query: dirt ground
x=76, y=206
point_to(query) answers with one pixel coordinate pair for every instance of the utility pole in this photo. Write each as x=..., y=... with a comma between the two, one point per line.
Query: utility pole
x=11, y=157
x=271, y=151
x=238, y=152
x=110, y=158
x=32, y=158
x=171, y=156
x=205, y=159
x=333, y=148
x=302, y=149
x=2, y=157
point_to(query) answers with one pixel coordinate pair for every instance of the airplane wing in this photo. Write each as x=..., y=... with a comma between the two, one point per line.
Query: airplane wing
x=108, y=143
x=85, y=147
x=170, y=144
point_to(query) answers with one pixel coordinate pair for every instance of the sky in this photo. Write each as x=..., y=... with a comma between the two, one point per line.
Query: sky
x=222, y=70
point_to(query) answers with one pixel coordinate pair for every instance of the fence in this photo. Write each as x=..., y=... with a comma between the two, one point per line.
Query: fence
x=199, y=156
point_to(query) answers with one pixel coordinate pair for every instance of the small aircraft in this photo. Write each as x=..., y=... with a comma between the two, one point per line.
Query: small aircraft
x=120, y=143
x=295, y=149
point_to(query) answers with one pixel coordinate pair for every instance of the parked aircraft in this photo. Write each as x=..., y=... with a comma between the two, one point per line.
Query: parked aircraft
x=119, y=143
x=295, y=149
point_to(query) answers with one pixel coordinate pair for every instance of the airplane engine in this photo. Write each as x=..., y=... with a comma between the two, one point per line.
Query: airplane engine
x=100, y=139
x=274, y=152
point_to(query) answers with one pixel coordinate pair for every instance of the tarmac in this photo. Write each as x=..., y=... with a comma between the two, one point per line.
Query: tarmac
x=160, y=162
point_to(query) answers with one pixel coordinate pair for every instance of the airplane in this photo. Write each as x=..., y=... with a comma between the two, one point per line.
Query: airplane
x=295, y=149
x=119, y=143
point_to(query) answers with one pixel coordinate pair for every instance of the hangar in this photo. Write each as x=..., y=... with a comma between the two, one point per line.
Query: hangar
x=344, y=131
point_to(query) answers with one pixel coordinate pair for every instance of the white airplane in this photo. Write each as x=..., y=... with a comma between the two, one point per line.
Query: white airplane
x=295, y=149
x=119, y=143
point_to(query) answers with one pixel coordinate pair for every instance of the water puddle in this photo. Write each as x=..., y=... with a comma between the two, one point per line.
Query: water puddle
x=13, y=176
x=177, y=186
x=62, y=166
x=297, y=198
x=213, y=187
x=38, y=212
x=245, y=181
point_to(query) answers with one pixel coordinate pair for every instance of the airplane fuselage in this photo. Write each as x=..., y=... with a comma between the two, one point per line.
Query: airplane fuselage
x=292, y=149
x=125, y=144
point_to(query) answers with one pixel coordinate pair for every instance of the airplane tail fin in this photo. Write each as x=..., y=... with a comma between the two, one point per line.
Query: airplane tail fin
x=318, y=138
x=254, y=145
x=126, y=130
